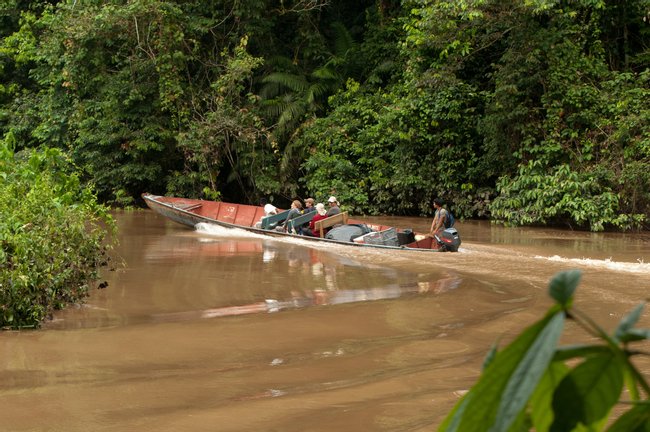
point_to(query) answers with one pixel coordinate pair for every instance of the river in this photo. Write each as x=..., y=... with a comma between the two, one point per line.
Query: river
x=219, y=330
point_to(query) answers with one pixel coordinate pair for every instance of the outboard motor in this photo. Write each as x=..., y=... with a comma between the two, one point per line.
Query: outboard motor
x=449, y=240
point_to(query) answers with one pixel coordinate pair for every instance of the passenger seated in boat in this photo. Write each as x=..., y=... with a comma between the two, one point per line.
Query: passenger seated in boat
x=269, y=209
x=334, y=206
x=295, y=211
x=309, y=206
x=322, y=214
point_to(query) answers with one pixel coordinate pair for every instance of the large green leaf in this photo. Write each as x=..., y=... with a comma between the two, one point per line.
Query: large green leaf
x=528, y=372
x=588, y=392
x=490, y=356
x=453, y=419
x=503, y=390
x=625, y=332
x=541, y=401
x=634, y=334
x=572, y=351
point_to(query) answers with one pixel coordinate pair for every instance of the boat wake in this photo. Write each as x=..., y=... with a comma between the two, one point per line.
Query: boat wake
x=371, y=255
x=237, y=233
x=216, y=230
x=639, y=267
x=628, y=267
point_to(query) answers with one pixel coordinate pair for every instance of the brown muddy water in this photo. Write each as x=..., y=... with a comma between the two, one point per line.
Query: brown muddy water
x=217, y=330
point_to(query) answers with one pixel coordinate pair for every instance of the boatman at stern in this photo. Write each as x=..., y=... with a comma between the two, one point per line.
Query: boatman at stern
x=439, y=218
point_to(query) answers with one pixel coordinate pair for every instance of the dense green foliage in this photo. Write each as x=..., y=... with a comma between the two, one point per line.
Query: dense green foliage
x=51, y=236
x=535, y=384
x=522, y=111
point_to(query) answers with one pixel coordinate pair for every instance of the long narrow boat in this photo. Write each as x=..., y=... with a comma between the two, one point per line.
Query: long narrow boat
x=191, y=212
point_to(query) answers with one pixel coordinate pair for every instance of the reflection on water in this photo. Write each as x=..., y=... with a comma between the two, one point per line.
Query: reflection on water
x=217, y=272
x=317, y=297
x=226, y=330
x=310, y=276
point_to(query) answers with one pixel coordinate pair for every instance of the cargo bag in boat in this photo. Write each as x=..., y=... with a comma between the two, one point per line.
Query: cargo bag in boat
x=384, y=238
x=347, y=233
x=405, y=237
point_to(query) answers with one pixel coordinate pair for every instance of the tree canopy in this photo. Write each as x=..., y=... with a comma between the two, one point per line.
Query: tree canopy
x=526, y=112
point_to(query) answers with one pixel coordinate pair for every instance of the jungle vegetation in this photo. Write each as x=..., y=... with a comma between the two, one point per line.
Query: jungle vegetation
x=526, y=112
x=54, y=236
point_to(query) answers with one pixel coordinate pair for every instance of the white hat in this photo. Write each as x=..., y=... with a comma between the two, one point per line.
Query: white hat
x=332, y=199
x=270, y=209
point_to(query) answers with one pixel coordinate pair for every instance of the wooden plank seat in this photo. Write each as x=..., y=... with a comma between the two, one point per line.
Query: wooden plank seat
x=270, y=222
x=341, y=218
x=187, y=207
x=300, y=220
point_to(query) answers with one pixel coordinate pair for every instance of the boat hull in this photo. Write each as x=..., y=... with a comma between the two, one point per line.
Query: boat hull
x=190, y=212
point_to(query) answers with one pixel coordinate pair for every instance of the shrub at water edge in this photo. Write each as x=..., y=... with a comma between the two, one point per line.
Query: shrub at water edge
x=52, y=236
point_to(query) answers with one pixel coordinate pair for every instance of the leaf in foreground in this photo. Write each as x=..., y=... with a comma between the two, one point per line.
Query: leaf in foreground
x=504, y=388
x=588, y=392
x=635, y=420
x=563, y=285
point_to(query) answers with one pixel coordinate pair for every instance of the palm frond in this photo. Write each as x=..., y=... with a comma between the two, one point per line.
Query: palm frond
x=343, y=41
x=326, y=73
x=292, y=113
x=317, y=91
x=293, y=82
x=274, y=107
x=293, y=154
x=280, y=63
x=270, y=90
x=381, y=72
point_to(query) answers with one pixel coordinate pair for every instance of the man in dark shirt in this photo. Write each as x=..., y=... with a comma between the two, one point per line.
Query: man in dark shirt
x=334, y=206
x=309, y=205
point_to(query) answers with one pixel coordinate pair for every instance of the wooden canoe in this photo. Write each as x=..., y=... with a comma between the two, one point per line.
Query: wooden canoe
x=190, y=212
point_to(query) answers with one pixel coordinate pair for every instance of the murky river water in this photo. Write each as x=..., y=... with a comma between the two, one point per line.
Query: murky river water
x=213, y=330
